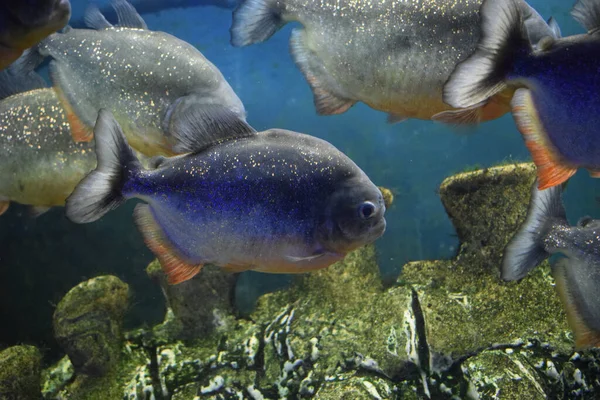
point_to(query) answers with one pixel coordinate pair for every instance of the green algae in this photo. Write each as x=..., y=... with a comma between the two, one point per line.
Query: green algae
x=20, y=373
x=447, y=329
x=87, y=324
x=467, y=306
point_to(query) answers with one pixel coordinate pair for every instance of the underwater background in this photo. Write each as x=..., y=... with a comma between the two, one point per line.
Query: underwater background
x=42, y=258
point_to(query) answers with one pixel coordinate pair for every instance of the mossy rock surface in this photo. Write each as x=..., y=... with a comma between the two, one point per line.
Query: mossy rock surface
x=88, y=321
x=448, y=329
x=20, y=373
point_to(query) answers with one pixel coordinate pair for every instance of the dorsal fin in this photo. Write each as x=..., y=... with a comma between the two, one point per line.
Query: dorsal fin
x=587, y=13
x=554, y=27
x=127, y=15
x=196, y=127
x=94, y=19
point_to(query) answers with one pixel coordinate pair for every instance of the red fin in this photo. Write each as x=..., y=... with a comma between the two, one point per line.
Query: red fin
x=79, y=131
x=594, y=174
x=177, y=270
x=552, y=170
x=585, y=337
x=4, y=206
x=464, y=116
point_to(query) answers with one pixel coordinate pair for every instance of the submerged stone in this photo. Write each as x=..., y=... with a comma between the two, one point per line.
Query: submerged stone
x=447, y=329
x=88, y=321
x=200, y=304
x=20, y=373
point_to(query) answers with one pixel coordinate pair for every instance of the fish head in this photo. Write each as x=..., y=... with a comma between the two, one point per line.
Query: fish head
x=36, y=19
x=353, y=216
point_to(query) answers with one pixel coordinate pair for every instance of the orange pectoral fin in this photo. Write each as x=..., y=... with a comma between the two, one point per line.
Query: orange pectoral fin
x=177, y=269
x=79, y=131
x=4, y=206
x=552, y=170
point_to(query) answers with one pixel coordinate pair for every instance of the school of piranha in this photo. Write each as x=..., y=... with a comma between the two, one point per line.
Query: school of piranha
x=137, y=113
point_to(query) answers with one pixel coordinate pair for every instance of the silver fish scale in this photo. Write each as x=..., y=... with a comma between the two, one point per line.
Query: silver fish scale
x=137, y=74
x=38, y=158
x=390, y=51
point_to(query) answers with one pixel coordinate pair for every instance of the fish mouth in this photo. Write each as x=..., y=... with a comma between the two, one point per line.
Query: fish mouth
x=378, y=229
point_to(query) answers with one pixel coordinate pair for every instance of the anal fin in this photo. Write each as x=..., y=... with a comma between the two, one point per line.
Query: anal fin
x=578, y=285
x=176, y=269
x=463, y=116
x=552, y=170
x=4, y=206
x=327, y=101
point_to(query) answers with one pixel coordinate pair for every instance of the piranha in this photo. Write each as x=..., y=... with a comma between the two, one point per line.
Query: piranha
x=40, y=164
x=149, y=80
x=275, y=201
x=556, y=105
x=24, y=23
x=393, y=55
x=545, y=232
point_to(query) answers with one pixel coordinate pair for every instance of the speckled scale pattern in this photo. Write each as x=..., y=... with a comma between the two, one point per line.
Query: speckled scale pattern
x=40, y=164
x=393, y=55
x=249, y=199
x=136, y=74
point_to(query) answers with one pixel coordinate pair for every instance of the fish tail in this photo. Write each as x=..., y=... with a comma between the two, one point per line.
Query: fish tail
x=526, y=249
x=484, y=73
x=255, y=21
x=20, y=76
x=577, y=283
x=102, y=190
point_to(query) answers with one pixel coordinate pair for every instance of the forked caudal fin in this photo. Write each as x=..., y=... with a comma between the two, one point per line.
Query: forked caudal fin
x=525, y=250
x=578, y=283
x=127, y=16
x=483, y=74
x=255, y=21
x=100, y=191
x=587, y=13
x=20, y=76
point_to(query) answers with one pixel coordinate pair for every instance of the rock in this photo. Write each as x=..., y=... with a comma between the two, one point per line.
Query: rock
x=20, y=373
x=200, y=304
x=388, y=196
x=87, y=324
x=447, y=329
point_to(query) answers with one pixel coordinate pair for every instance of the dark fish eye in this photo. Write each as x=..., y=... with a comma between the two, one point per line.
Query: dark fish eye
x=366, y=210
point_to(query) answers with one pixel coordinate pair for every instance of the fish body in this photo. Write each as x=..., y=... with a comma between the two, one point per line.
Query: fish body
x=393, y=55
x=547, y=232
x=40, y=165
x=274, y=201
x=150, y=80
x=24, y=23
x=556, y=105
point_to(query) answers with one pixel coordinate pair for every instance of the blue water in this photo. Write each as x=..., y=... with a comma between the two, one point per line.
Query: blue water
x=42, y=259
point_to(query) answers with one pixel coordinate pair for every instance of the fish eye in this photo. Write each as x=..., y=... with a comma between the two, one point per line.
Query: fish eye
x=366, y=210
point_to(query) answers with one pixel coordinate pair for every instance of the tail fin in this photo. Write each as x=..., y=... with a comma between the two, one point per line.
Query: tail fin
x=525, y=250
x=483, y=74
x=20, y=76
x=101, y=190
x=578, y=284
x=255, y=21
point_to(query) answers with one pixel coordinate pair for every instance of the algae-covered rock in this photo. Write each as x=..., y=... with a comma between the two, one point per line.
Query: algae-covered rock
x=20, y=373
x=199, y=304
x=448, y=329
x=87, y=324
